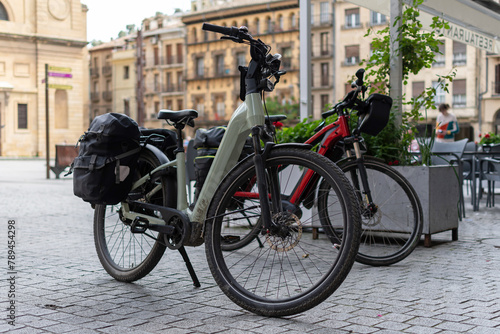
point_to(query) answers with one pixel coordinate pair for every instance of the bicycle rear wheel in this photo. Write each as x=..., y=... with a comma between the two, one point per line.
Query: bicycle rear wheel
x=128, y=256
x=392, y=231
x=282, y=271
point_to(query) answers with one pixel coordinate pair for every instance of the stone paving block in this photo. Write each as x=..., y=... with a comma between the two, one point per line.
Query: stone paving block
x=63, y=284
x=454, y=326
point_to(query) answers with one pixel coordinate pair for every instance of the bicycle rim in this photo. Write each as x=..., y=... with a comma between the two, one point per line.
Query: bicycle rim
x=282, y=272
x=392, y=232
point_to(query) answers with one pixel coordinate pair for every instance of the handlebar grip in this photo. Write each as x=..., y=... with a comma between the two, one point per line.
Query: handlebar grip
x=229, y=31
x=359, y=74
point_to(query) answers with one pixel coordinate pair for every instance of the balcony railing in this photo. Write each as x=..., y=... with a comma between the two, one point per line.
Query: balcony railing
x=496, y=87
x=94, y=97
x=106, y=70
x=171, y=88
x=107, y=95
x=94, y=72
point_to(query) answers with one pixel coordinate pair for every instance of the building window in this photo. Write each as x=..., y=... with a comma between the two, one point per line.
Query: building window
x=293, y=20
x=126, y=72
x=417, y=88
x=281, y=23
x=156, y=56
x=257, y=26
x=156, y=82
x=180, y=80
x=325, y=100
x=459, y=93
x=126, y=107
x=200, y=67
x=168, y=55
x=440, y=93
x=459, y=54
x=352, y=18
x=61, y=109
x=180, y=104
x=312, y=14
x=377, y=18
x=220, y=108
x=219, y=65
x=3, y=13
x=312, y=75
x=269, y=25
x=496, y=84
x=324, y=16
x=325, y=74
x=286, y=60
x=324, y=43
x=440, y=59
x=22, y=116
x=180, y=53
x=241, y=58
x=351, y=54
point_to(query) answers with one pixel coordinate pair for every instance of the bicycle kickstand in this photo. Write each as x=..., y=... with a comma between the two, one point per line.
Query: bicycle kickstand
x=189, y=266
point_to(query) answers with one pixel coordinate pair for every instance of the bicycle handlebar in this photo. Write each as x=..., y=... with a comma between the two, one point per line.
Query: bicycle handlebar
x=229, y=31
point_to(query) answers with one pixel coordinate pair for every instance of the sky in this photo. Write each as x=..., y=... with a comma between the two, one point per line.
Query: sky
x=106, y=18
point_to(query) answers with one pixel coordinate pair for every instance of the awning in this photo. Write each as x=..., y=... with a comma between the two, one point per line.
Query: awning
x=475, y=23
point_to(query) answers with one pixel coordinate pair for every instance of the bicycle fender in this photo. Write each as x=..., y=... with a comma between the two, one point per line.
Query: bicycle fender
x=162, y=158
x=293, y=145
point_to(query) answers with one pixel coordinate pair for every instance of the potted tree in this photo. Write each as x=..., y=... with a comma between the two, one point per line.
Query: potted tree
x=437, y=186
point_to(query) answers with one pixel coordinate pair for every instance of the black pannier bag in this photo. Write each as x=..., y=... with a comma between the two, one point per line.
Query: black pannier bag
x=104, y=170
x=375, y=117
x=206, y=143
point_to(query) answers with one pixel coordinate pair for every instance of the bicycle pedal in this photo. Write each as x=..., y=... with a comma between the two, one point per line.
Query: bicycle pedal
x=139, y=225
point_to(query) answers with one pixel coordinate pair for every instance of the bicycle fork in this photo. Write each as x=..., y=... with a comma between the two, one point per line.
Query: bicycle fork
x=260, y=171
x=371, y=208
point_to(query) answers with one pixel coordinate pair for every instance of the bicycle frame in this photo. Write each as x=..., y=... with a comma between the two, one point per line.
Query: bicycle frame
x=249, y=114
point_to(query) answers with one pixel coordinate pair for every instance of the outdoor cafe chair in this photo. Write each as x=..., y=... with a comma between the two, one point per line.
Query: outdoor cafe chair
x=490, y=171
x=451, y=153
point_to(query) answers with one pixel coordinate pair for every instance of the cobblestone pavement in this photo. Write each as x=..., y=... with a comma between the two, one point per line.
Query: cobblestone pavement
x=60, y=286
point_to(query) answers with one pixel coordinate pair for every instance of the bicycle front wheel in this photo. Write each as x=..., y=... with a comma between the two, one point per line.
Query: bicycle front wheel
x=128, y=256
x=391, y=230
x=282, y=271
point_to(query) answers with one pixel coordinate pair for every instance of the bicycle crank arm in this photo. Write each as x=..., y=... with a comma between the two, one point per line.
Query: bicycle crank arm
x=174, y=224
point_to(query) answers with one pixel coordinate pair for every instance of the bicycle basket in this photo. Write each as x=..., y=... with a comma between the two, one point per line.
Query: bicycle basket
x=376, y=115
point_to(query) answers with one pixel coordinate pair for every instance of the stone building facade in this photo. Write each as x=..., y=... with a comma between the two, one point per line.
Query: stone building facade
x=34, y=33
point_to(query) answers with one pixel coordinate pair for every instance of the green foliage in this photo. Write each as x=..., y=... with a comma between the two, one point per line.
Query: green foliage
x=418, y=50
x=290, y=109
x=489, y=138
x=301, y=131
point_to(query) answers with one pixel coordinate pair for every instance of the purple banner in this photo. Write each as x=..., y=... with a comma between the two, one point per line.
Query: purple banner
x=60, y=75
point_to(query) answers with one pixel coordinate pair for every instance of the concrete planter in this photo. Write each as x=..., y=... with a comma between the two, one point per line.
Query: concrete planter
x=438, y=190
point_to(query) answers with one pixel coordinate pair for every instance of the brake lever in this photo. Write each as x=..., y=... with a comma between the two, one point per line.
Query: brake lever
x=232, y=38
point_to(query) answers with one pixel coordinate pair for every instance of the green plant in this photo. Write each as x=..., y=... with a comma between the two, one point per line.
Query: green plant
x=418, y=50
x=289, y=108
x=489, y=138
x=301, y=131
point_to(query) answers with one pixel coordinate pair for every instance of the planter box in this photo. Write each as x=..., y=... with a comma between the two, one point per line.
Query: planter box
x=439, y=192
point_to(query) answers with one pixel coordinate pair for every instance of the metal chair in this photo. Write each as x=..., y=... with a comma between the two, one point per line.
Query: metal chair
x=451, y=153
x=467, y=160
x=490, y=171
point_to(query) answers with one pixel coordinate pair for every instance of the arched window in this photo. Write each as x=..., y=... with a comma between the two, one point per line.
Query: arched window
x=3, y=13
x=293, y=20
x=61, y=109
x=194, y=38
x=257, y=26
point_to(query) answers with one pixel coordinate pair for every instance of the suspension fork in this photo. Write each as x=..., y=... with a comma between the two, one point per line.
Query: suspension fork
x=262, y=176
x=362, y=172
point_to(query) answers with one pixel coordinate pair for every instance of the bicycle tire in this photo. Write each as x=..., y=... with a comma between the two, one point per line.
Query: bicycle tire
x=393, y=232
x=128, y=256
x=291, y=272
